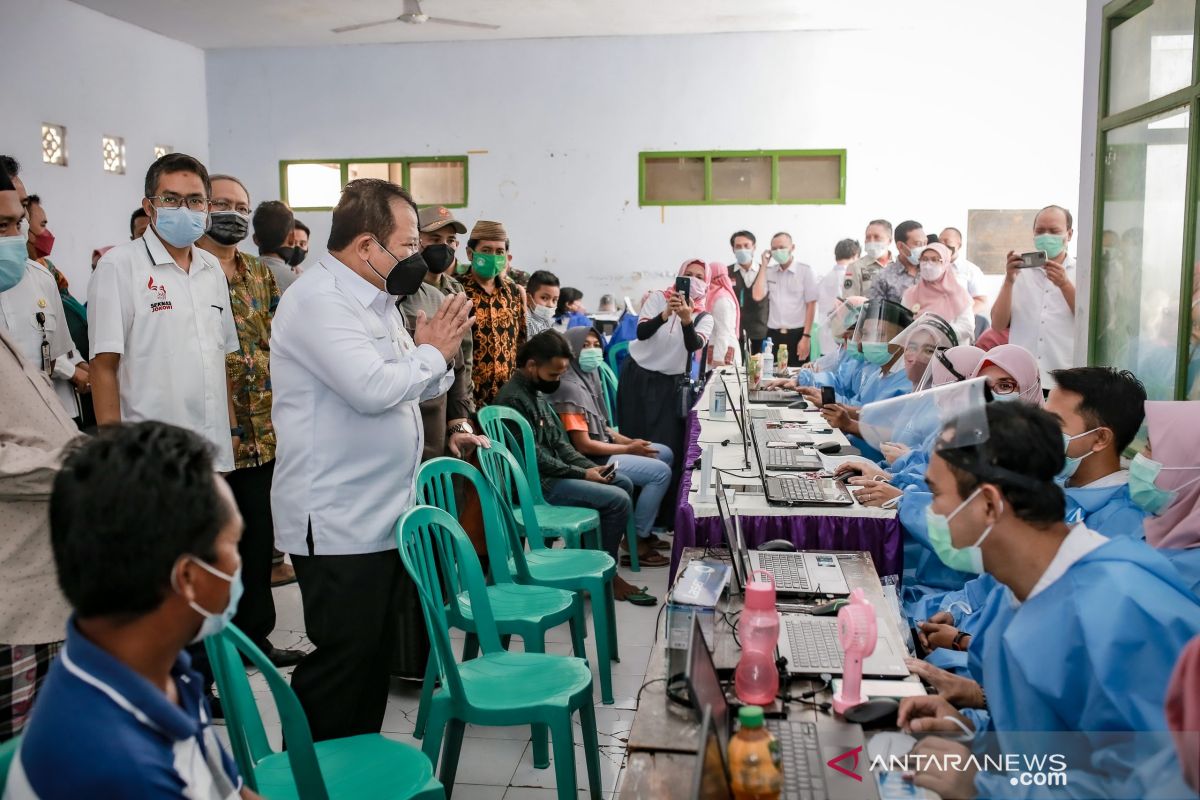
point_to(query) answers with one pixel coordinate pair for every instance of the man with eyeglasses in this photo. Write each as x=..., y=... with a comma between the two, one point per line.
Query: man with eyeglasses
x=347, y=380
x=159, y=318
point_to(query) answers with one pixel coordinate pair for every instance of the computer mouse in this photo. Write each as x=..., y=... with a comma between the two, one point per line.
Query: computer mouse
x=878, y=713
x=799, y=404
x=779, y=545
x=829, y=448
x=828, y=609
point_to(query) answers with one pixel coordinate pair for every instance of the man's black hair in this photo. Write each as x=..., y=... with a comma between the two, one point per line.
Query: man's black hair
x=933, y=239
x=1022, y=455
x=1066, y=213
x=300, y=226
x=33, y=200
x=568, y=295
x=273, y=221
x=539, y=279
x=172, y=163
x=1108, y=398
x=11, y=166
x=127, y=504
x=138, y=213
x=366, y=207
x=746, y=234
x=846, y=248
x=905, y=228
x=544, y=347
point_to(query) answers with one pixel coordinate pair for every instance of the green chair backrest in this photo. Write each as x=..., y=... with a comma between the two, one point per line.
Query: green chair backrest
x=613, y=355
x=242, y=719
x=440, y=558
x=435, y=487
x=8, y=752
x=608, y=379
x=512, y=490
x=508, y=427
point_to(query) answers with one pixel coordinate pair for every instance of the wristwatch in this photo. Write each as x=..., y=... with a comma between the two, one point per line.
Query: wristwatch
x=462, y=427
x=957, y=643
x=239, y=432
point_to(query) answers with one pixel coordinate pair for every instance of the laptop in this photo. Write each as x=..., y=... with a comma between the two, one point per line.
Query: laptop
x=739, y=415
x=805, y=748
x=774, y=397
x=811, y=646
x=732, y=532
x=794, y=490
x=710, y=777
x=780, y=453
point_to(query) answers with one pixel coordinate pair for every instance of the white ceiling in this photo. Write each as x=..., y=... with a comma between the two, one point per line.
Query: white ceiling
x=305, y=23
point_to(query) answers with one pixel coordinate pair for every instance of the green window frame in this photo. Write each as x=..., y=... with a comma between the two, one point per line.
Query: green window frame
x=406, y=163
x=709, y=155
x=1182, y=100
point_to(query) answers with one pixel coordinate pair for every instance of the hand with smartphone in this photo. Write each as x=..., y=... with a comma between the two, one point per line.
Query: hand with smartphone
x=603, y=474
x=680, y=302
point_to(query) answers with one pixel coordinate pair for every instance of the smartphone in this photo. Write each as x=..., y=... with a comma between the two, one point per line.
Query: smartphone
x=609, y=470
x=828, y=396
x=683, y=285
x=1033, y=260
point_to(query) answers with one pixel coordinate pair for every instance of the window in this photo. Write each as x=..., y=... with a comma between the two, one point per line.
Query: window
x=1147, y=226
x=161, y=150
x=315, y=185
x=113, y=149
x=54, y=144
x=742, y=178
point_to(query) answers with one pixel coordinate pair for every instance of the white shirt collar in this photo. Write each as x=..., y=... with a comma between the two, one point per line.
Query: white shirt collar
x=358, y=287
x=748, y=274
x=1118, y=478
x=158, y=252
x=1079, y=542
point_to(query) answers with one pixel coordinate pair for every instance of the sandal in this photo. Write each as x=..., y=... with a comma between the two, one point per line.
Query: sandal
x=653, y=559
x=642, y=598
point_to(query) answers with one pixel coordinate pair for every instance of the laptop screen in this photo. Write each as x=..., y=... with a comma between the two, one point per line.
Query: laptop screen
x=704, y=687
x=739, y=415
x=731, y=535
x=710, y=780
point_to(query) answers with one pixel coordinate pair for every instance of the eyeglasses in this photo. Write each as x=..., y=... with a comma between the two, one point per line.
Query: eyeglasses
x=1004, y=386
x=195, y=202
x=225, y=205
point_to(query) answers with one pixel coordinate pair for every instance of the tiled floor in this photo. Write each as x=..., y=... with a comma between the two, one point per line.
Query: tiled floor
x=497, y=763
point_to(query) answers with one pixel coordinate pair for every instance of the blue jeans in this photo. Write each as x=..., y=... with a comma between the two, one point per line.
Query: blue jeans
x=653, y=477
x=613, y=500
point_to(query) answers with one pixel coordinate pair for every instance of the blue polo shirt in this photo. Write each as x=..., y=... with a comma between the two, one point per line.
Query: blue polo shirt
x=100, y=730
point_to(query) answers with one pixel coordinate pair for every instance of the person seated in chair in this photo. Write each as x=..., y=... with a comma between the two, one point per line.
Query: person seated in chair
x=122, y=713
x=568, y=477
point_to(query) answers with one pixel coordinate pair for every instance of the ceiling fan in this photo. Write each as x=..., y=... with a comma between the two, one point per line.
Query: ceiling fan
x=413, y=15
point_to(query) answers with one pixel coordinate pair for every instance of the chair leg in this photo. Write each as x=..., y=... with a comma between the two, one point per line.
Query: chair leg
x=601, y=621
x=564, y=756
x=450, y=754
x=631, y=539
x=611, y=602
x=536, y=643
x=431, y=744
x=426, y=697
x=591, y=747
x=578, y=630
x=470, y=646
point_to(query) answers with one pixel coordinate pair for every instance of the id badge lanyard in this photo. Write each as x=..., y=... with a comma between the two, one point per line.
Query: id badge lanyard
x=47, y=366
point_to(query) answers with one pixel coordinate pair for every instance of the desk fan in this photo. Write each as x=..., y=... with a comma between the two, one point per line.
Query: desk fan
x=857, y=634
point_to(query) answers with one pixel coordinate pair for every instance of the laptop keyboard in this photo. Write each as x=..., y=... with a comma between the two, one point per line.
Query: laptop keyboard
x=800, y=752
x=800, y=490
x=788, y=456
x=814, y=644
x=787, y=569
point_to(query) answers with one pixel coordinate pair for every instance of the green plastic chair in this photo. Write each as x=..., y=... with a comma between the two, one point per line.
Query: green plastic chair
x=367, y=766
x=608, y=379
x=571, y=523
x=498, y=687
x=526, y=611
x=8, y=751
x=614, y=351
x=578, y=570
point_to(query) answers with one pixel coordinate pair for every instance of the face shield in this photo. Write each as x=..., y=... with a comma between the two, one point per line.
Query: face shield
x=951, y=416
x=879, y=322
x=920, y=341
x=950, y=365
x=841, y=320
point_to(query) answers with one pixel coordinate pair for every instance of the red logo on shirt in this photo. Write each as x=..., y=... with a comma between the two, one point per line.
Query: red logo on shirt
x=160, y=291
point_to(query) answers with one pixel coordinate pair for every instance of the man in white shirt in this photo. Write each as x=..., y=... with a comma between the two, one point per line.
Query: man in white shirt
x=793, y=293
x=1038, y=305
x=159, y=319
x=829, y=287
x=347, y=380
x=968, y=274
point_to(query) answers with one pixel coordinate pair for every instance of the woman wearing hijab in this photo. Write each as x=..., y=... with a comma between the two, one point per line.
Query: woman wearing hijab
x=939, y=292
x=579, y=402
x=727, y=318
x=1012, y=373
x=1165, y=482
x=671, y=329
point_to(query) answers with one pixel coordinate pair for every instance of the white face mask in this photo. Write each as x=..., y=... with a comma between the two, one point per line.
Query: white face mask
x=931, y=270
x=875, y=249
x=743, y=257
x=544, y=313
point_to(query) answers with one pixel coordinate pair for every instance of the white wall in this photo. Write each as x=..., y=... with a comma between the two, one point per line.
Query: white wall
x=978, y=111
x=98, y=76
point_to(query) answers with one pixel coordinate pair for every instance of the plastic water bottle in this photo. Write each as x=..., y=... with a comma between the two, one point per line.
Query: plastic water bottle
x=782, y=358
x=767, y=361
x=756, y=680
x=719, y=402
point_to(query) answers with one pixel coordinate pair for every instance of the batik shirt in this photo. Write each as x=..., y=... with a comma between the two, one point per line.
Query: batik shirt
x=253, y=296
x=499, y=331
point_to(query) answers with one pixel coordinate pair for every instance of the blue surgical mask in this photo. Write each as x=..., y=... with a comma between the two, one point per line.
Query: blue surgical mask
x=12, y=260
x=914, y=256
x=743, y=257
x=180, y=227
x=215, y=622
x=1011, y=397
x=1072, y=464
x=590, y=359
x=1143, y=489
x=963, y=559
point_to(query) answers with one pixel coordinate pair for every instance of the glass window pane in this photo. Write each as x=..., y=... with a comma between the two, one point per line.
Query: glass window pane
x=383, y=170
x=741, y=178
x=313, y=185
x=1144, y=180
x=810, y=177
x=438, y=183
x=1150, y=54
x=54, y=144
x=1193, y=376
x=674, y=180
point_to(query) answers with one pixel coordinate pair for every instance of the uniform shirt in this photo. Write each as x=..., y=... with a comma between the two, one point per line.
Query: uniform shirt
x=172, y=330
x=347, y=378
x=1042, y=322
x=892, y=282
x=100, y=729
x=791, y=289
x=665, y=351
x=970, y=276
x=860, y=276
x=19, y=306
x=34, y=429
x=253, y=296
x=285, y=274
x=499, y=330
x=829, y=288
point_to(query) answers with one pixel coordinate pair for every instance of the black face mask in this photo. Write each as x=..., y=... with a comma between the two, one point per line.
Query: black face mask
x=228, y=227
x=297, y=257
x=286, y=254
x=405, y=278
x=546, y=387
x=439, y=257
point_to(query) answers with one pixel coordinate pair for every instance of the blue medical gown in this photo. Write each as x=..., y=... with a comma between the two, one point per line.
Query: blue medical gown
x=873, y=387
x=1092, y=652
x=1187, y=562
x=844, y=378
x=924, y=571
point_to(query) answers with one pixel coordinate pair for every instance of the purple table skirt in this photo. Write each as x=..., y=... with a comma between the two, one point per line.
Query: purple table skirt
x=882, y=538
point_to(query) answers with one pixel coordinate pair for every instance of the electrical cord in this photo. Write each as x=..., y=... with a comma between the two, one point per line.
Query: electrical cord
x=638, y=700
